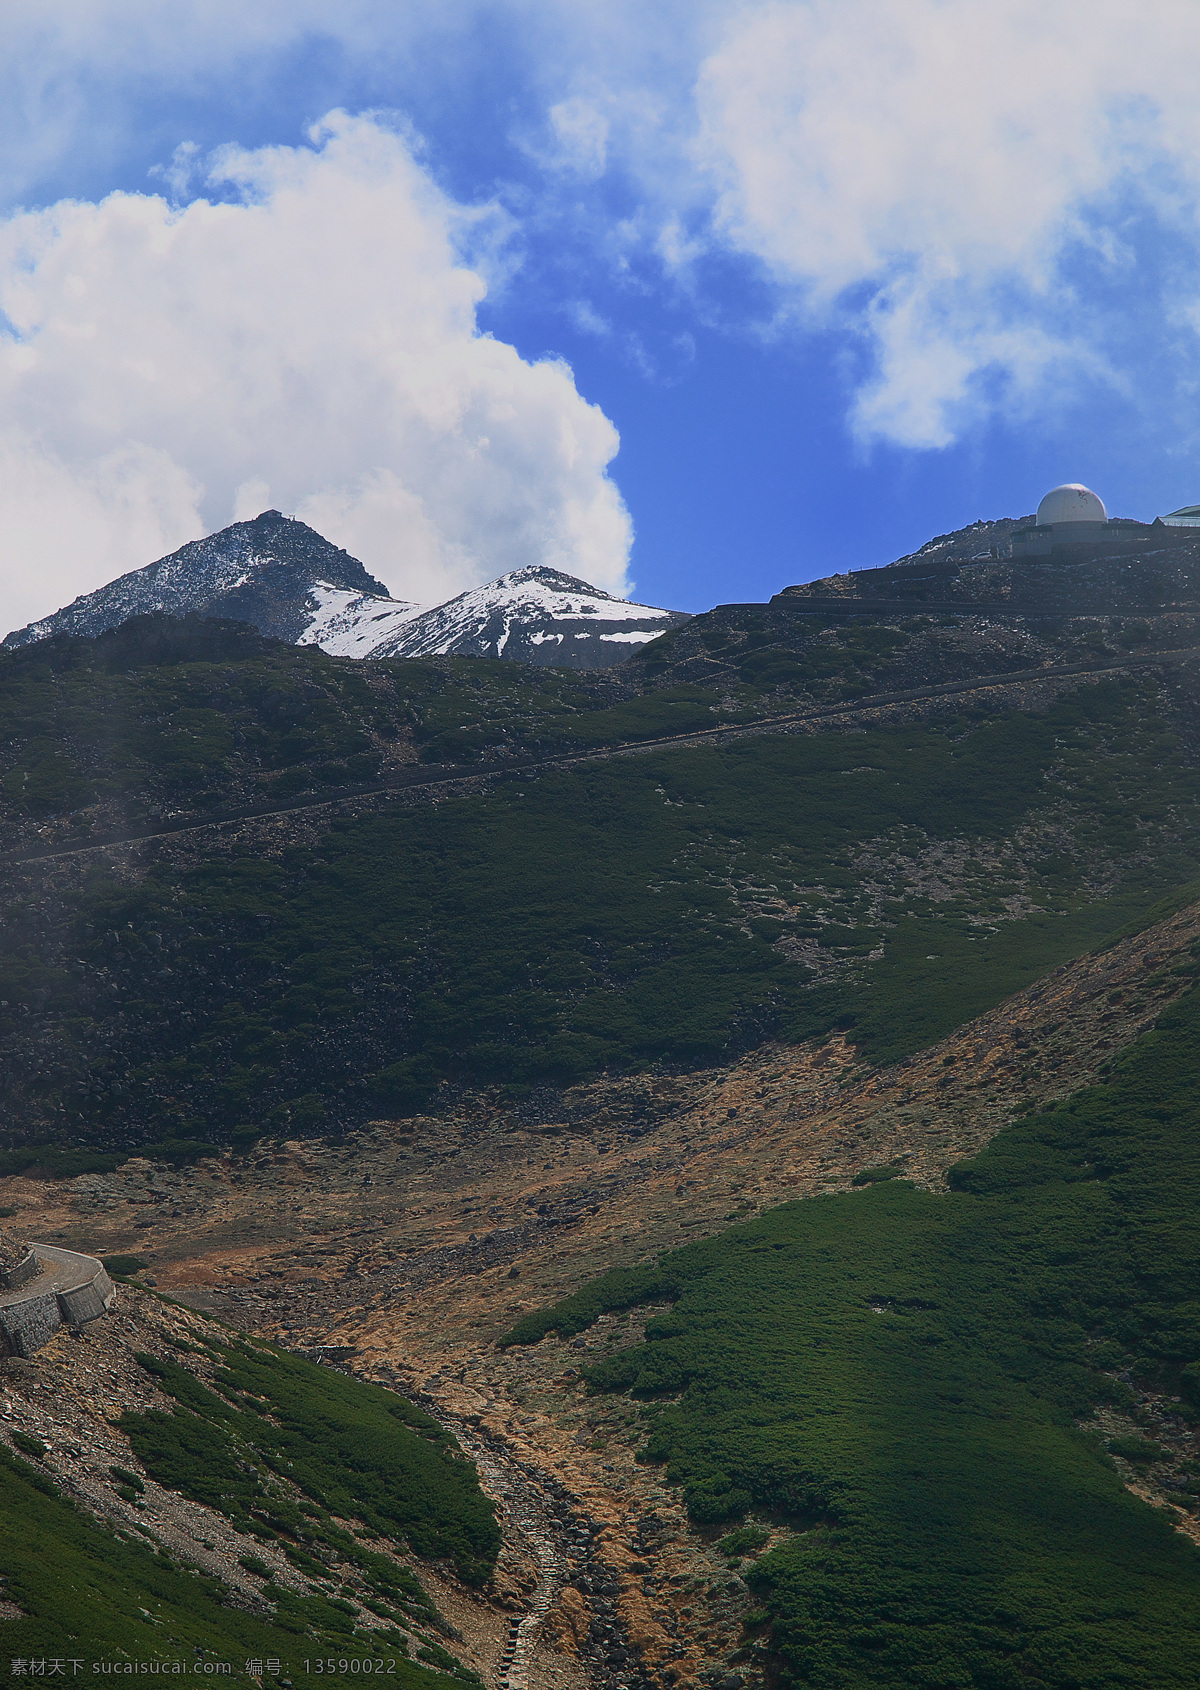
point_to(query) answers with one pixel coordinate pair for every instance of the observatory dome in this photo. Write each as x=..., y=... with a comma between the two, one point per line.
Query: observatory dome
x=1071, y=503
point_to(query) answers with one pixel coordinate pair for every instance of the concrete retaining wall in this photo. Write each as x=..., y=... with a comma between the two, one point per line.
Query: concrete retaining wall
x=69, y=1290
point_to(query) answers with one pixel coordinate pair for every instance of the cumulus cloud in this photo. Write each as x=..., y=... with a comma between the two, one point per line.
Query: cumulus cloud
x=975, y=194
x=310, y=343
x=926, y=172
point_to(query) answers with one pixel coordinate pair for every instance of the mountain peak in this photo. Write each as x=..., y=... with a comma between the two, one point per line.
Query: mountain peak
x=289, y=582
x=542, y=574
x=262, y=572
x=537, y=615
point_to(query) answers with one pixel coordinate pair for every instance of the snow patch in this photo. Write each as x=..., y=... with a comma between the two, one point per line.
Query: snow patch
x=347, y=624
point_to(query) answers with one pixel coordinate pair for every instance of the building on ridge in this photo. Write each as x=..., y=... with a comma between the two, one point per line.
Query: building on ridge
x=1072, y=515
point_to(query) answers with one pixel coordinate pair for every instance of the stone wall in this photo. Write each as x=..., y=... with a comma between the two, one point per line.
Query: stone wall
x=68, y=1290
x=26, y=1269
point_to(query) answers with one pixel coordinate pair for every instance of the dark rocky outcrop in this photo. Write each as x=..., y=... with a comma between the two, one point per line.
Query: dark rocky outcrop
x=261, y=572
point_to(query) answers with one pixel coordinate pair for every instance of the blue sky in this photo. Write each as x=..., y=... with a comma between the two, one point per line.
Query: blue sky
x=834, y=276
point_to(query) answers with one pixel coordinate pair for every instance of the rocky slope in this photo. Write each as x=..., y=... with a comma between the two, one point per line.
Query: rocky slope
x=272, y=572
x=91, y=1421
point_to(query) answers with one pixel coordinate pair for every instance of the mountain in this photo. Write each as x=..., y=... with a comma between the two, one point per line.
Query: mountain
x=290, y=583
x=275, y=573
x=538, y=616
x=848, y=1030
x=894, y=816
x=1141, y=565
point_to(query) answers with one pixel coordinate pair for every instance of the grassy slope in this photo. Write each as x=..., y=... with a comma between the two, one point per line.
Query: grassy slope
x=351, y=1447
x=89, y=1594
x=167, y=715
x=904, y=1377
x=617, y=915
x=164, y=713
x=282, y=1444
x=188, y=714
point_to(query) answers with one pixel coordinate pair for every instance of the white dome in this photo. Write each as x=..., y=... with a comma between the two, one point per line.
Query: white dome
x=1071, y=503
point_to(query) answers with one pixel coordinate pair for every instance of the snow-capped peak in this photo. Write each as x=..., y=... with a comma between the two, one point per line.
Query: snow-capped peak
x=536, y=615
x=286, y=580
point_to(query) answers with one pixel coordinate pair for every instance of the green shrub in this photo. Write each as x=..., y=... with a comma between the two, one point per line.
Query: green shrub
x=102, y=1597
x=900, y=1376
x=873, y=1176
x=1136, y=1449
x=437, y=1656
x=623, y=1288
x=56, y=1162
x=354, y=1450
x=28, y=1444
x=306, y=1563
x=609, y=917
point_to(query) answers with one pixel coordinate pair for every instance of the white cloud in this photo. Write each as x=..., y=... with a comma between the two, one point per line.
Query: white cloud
x=314, y=341
x=954, y=186
x=581, y=133
x=923, y=172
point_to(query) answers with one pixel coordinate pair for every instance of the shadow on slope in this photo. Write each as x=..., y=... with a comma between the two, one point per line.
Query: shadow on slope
x=676, y=908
